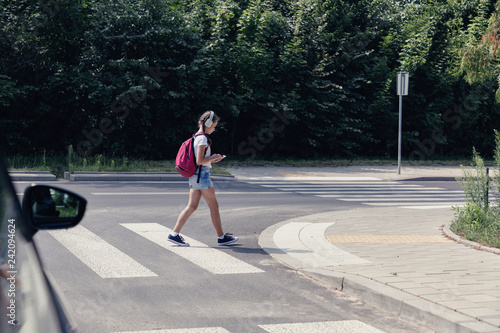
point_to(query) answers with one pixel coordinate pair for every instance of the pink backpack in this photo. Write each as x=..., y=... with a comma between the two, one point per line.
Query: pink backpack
x=185, y=162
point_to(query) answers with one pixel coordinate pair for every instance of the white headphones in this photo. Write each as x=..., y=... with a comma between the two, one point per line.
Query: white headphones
x=210, y=121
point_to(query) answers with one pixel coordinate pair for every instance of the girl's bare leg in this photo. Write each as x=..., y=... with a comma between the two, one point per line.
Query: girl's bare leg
x=194, y=200
x=213, y=205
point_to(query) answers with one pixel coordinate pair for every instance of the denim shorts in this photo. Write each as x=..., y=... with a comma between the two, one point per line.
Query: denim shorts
x=205, y=181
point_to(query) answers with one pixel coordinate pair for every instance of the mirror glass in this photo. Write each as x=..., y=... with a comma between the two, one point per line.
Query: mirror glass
x=49, y=202
x=53, y=208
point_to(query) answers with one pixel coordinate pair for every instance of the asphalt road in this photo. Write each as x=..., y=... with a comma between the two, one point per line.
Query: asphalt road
x=163, y=289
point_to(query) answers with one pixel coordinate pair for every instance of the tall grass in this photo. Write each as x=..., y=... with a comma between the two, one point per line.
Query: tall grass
x=479, y=219
x=72, y=162
x=37, y=162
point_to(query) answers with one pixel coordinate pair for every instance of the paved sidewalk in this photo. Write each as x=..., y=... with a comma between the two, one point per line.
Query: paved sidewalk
x=382, y=172
x=398, y=259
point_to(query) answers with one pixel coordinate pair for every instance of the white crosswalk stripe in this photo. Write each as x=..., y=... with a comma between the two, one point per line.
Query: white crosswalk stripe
x=179, y=193
x=206, y=257
x=341, y=326
x=109, y=262
x=185, y=330
x=373, y=193
x=100, y=256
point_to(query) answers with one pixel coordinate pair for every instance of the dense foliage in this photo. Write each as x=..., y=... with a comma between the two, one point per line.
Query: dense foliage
x=290, y=78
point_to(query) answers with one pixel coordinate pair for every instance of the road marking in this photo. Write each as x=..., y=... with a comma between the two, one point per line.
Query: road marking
x=414, y=204
x=367, y=190
x=334, y=185
x=209, y=258
x=306, y=242
x=388, y=239
x=370, y=189
x=343, y=326
x=416, y=195
x=304, y=178
x=394, y=199
x=373, y=188
x=100, y=256
x=179, y=193
x=434, y=207
x=328, y=184
x=374, y=193
x=185, y=330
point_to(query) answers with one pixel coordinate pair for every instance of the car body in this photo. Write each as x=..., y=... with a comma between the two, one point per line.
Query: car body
x=29, y=301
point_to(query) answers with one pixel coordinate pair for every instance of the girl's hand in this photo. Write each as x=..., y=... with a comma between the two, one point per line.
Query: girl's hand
x=216, y=158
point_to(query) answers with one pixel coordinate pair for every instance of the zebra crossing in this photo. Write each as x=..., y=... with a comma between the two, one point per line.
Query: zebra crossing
x=100, y=256
x=340, y=326
x=371, y=192
x=109, y=262
x=206, y=257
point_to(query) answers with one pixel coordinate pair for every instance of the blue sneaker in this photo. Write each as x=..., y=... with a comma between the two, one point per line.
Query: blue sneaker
x=228, y=239
x=177, y=240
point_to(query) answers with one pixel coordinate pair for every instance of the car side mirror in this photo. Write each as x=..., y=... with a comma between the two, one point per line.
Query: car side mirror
x=50, y=207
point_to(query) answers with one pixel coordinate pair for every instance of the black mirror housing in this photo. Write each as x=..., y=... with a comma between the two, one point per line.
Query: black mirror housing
x=48, y=207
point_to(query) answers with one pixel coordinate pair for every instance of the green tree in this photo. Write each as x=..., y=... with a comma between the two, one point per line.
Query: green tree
x=441, y=110
x=306, y=78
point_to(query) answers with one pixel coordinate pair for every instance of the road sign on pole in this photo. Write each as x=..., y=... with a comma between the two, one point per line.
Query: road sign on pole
x=402, y=90
x=402, y=84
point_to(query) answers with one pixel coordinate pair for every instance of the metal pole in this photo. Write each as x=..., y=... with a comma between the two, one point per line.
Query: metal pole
x=486, y=199
x=399, y=132
x=402, y=89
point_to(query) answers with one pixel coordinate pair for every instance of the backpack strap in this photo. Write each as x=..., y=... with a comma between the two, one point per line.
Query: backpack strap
x=199, y=175
x=199, y=168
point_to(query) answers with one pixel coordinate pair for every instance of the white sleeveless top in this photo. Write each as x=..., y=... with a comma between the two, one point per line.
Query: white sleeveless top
x=201, y=140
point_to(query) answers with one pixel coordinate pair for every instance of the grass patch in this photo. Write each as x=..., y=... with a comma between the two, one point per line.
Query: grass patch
x=58, y=164
x=33, y=163
x=480, y=227
x=479, y=220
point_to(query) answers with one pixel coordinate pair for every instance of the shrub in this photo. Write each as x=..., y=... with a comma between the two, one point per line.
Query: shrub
x=478, y=220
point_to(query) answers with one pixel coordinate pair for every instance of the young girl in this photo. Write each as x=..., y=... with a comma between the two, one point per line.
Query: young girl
x=204, y=188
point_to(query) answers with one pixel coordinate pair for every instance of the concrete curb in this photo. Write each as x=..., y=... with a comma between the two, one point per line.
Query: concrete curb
x=80, y=176
x=398, y=302
x=379, y=295
x=134, y=176
x=31, y=176
x=122, y=176
x=447, y=231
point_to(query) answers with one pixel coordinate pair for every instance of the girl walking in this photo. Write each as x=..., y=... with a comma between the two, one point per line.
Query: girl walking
x=204, y=188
